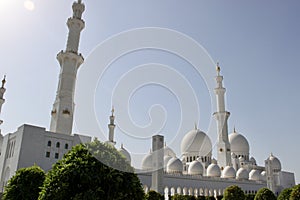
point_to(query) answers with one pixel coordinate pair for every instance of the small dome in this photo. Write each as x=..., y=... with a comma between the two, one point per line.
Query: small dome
x=174, y=166
x=238, y=143
x=195, y=168
x=242, y=174
x=263, y=175
x=197, y=142
x=233, y=155
x=275, y=162
x=253, y=161
x=169, y=152
x=125, y=153
x=213, y=170
x=147, y=162
x=254, y=175
x=166, y=160
x=228, y=172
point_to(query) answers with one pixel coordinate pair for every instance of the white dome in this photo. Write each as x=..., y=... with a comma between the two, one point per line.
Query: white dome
x=233, y=155
x=195, y=168
x=242, y=173
x=228, y=172
x=239, y=144
x=213, y=170
x=253, y=161
x=147, y=162
x=174, y=166
x=166, y=160
x=275, y=162
x=197, y=142
x=169, y=152
x=254, y=175
x=125, y=153
x=263, y=175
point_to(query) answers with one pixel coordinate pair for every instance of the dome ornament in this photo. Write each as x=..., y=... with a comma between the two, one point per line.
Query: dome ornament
x=218, y=69
x=3, y=81
x=112, y=111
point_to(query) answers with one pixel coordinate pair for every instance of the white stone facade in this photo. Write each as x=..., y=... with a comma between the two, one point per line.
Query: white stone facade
x=31, y=145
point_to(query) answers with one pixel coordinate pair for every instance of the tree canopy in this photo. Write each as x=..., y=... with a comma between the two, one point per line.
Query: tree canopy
x=153, y=195
x=233, y=192
x=265, y=194
x=295, y=194
x=285, y=194
x=81, y=174
x=25, y=184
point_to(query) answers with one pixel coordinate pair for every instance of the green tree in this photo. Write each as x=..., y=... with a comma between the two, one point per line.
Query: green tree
x=153, y=195
x=249, y=196
x=285, y=194
x=264, y=194
x=295, y=194
x=25, y=184
x=183, y=197
x=81, y=175
x=233, y=192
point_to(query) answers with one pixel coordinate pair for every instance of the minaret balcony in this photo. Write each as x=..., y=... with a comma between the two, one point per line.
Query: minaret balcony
x=63, y=55
x=75, y=23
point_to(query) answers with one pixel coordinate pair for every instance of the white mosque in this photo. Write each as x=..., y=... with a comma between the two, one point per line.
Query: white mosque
x=194, y=172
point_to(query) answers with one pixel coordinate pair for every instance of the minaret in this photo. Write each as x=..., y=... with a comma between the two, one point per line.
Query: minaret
x=69, y=60
x=111, y=127
x=224, y=157
x=2, y=100
x=2, y=91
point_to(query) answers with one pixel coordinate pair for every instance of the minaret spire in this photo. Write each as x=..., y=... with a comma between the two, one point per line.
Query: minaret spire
x=2, y=91
x=69, y=60
x=111, y=127
x=224, y=158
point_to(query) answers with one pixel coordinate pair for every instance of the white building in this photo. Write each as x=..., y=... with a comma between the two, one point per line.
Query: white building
x=31, y=145
x=194, y=172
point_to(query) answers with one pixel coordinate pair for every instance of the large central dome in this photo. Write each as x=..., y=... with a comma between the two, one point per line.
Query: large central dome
x=196, y=142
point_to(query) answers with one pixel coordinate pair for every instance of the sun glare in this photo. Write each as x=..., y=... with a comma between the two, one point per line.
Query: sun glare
x=29, y=5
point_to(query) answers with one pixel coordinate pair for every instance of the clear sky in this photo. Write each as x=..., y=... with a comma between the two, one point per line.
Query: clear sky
x=256, y=42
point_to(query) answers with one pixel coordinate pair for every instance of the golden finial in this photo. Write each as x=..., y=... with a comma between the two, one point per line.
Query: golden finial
x=3, y=81
x=112, y=111
x=218, y=68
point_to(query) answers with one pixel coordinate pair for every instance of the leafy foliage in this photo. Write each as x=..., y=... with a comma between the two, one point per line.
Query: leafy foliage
x=81, y=175
x=233, y=192
x=285, y=194
x=153, y=195
x=295, y=194
x=25, y=184
x=249, y=196
x=264, y=194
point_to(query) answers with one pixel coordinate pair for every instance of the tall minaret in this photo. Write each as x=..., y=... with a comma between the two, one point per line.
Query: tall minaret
x=224, y=158
x=2, y=91
x=111, y=127
x=2, y=100
x=69, y=60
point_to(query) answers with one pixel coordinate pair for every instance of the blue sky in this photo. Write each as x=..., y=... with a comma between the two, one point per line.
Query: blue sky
x=256, y=42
